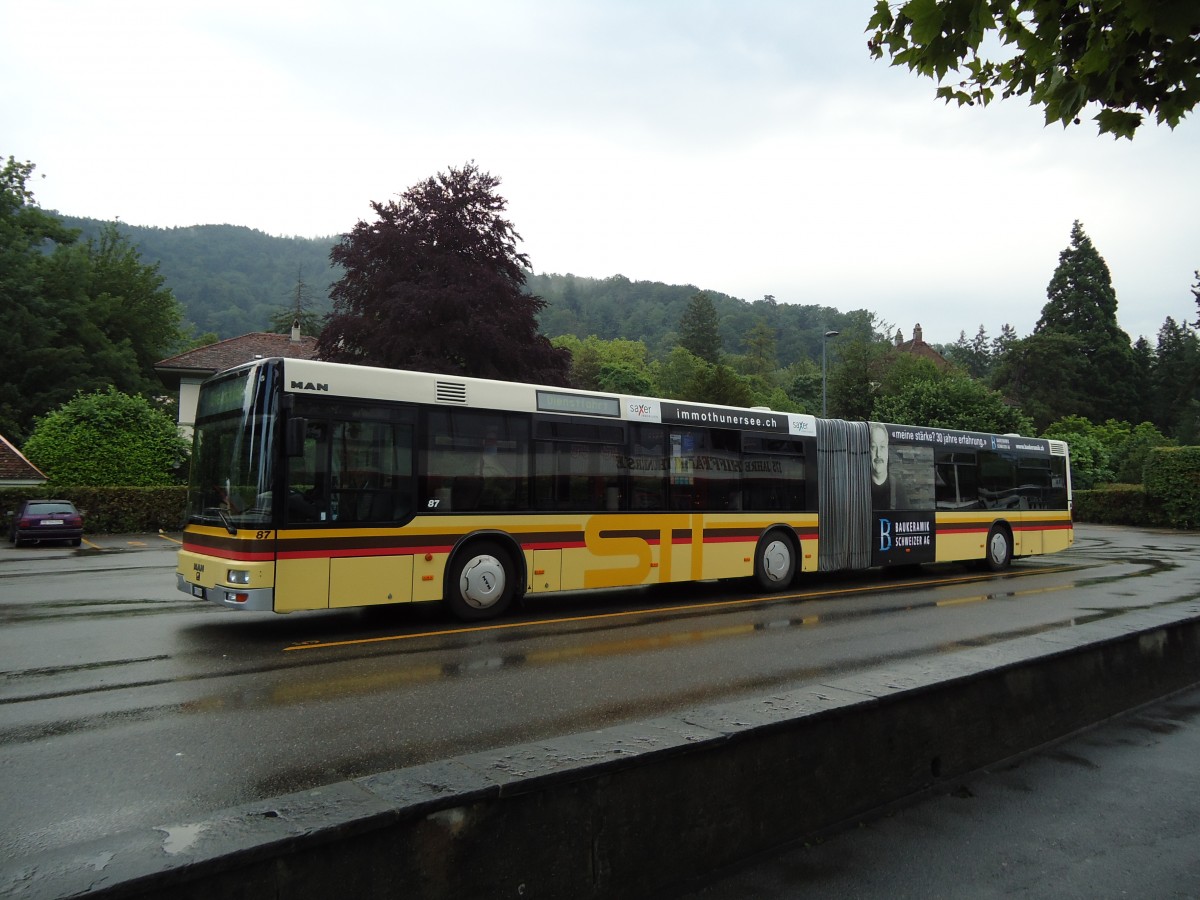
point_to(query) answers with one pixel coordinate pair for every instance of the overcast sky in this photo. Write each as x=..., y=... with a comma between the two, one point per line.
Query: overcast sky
x=748, y=147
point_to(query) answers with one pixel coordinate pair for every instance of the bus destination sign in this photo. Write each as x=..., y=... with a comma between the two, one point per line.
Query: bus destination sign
x=580, y=404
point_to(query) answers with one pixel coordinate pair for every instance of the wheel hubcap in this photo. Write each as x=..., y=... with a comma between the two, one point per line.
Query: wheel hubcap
x=777, y=560
x=482, y=582
x=998, y=548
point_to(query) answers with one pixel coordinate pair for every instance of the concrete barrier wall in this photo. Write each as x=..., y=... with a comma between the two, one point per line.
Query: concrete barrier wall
x=632, y=810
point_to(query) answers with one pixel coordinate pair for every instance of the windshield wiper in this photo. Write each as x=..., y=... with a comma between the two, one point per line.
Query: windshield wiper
x=226, y=521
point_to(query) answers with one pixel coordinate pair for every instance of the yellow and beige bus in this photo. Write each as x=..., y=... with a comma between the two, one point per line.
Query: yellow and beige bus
x=319, y=485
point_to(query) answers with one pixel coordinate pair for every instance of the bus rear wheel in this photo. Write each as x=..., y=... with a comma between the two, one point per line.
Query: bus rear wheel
x=774, y=562
x=999, y=549
x=480, y=583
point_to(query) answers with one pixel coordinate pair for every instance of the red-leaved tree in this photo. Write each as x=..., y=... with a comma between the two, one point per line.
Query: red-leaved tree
x=435, y=284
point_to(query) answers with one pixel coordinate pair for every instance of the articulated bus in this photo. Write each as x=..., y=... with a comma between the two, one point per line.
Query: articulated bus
x=318, y=485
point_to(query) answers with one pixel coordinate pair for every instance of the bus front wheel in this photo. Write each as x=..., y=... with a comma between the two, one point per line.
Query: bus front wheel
x=999, y=548
x=774, y=562
x=480, y=582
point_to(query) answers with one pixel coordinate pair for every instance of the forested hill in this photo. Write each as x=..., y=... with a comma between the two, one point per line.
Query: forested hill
x=231, y=279
x=650, y=311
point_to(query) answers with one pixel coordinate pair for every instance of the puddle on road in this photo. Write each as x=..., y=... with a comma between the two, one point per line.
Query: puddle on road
x=181, y=838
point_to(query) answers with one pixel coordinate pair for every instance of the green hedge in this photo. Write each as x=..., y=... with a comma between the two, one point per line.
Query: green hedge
x=1172, y=479
x=109, y=510
x=1118, y=504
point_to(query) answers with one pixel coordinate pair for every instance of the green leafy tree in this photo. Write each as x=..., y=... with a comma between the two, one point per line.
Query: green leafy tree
x=1129, y=458
x=592, y=357
x=722, y=385
x=951, y=400
x=699, y=333
x=765, y=392
x=802, y=384
x=107, y=438
x=679, y=374
x=129, y=302
x=858, y=360
x=1045, y=374
x=1113, y=451
x=1091, y=455
x=436, y=284
x=27, y=315
x=73, y=316
x=1130, y=59
x=620, y=378
x=898, y=370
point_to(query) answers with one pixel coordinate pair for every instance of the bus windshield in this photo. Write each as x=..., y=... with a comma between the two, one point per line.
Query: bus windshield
x=232, y=471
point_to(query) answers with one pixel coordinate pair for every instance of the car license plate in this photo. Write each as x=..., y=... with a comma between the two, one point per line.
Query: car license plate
x=197, y=591
x=52, y=521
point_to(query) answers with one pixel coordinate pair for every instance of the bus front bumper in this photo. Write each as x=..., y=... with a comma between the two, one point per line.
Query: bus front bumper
x=234, y=597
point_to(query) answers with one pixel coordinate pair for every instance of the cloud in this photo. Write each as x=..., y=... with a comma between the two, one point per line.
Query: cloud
x=749, y=149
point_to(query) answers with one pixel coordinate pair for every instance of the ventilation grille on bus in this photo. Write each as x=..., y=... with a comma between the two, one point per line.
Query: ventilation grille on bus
x=449, y=392
x=1057, y=448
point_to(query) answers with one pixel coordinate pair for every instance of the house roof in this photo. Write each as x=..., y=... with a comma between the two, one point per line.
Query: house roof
x=205, y=361
x=918, y=347
x=15, y=467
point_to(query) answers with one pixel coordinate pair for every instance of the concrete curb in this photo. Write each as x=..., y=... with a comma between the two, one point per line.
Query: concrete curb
x=636, y=809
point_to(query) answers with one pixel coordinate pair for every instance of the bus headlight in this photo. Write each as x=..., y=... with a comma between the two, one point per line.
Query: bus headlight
x=238, y=576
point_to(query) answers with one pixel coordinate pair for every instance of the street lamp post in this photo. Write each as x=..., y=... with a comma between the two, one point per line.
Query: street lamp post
x=824, y=343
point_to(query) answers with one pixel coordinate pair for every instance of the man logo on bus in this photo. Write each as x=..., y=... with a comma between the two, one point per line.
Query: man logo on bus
x=309, y=386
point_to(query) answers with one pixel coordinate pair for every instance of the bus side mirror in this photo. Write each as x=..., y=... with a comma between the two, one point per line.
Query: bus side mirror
x=296, y=429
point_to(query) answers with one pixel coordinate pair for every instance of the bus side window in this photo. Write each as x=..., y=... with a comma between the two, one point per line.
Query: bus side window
x=956, y=481
x=706, y=466
x=476, y=461
x=647, y=468
x=773, y=472
x=372, y=467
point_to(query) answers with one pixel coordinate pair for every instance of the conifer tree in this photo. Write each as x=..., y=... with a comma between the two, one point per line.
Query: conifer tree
x=1082, y=304
x=698, y=328
x=299, y=312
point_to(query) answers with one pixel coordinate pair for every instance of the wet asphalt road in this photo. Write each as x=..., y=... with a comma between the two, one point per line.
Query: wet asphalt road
x=126, y=703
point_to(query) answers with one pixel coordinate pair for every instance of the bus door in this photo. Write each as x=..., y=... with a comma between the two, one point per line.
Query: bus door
x=354, y=479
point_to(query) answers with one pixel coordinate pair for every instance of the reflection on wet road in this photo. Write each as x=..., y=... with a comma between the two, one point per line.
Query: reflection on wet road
x=124, y=703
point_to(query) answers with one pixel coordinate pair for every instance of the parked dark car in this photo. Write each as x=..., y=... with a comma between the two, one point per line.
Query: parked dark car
x=46, y=520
